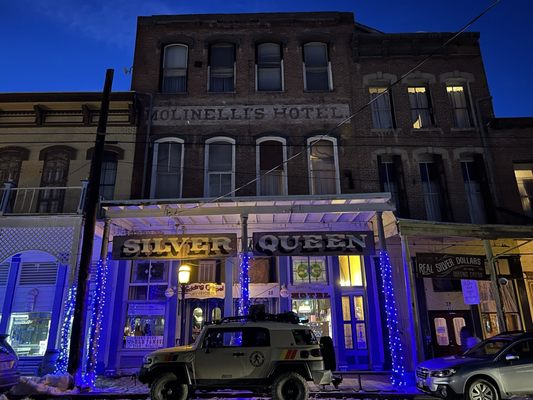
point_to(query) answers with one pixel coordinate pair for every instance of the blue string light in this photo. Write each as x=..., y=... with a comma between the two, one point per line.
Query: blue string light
x=62, y=359
x=398, y=377
x=244, y=280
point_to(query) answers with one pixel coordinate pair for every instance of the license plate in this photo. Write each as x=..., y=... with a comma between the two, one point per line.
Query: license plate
x=6, y=364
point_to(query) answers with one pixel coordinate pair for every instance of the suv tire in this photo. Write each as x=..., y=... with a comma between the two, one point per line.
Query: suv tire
x=482, y=389
x=290, y=386
x=167, y=387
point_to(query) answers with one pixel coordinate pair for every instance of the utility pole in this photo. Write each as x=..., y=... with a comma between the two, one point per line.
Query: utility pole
x=77, y=339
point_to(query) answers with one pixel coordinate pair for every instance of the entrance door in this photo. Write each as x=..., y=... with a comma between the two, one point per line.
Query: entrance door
x=200, y=312
x=445, y=331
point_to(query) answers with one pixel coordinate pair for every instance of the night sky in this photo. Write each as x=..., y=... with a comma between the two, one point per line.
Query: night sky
x=66, y=45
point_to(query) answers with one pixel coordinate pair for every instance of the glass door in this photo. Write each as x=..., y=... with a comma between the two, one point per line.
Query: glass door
x=354, y=330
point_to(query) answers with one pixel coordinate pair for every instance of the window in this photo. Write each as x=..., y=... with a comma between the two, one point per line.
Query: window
x=175, y=69
x=149, y=280
x=269, y=67
x=323, y=166
x=474, y=194
x=308, y=270
x=220, y=167
x=271, y=168
x=222, y=67
x=446, y=285
x=108, y=176
x=524, y=350
x=421, y=112
x=55, y=174
x=354, y=326
x=381, y=108
x=351, y=270
x=524, y=180
x=10, y=164
x=28, y=332
x=317, y=68
x=392, y=181
x=432, y=176
x=317, y=311
x=460, y=106
x=207, y=271
x=167, y=169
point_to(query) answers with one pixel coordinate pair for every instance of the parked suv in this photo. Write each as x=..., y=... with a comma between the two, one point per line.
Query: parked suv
x=497, y=368
x=9, y=374
x=270, y=352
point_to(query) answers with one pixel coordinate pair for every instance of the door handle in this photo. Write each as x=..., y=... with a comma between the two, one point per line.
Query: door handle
x=238, y=354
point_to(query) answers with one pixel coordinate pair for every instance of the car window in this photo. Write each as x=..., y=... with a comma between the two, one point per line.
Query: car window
x=223, y=338
x=487, y=349
x=304, y=336
x=524, y=350
x=256, y=337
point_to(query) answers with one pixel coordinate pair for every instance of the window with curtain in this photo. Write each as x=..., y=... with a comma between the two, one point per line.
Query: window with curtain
x=222, y=67
x=432, y=191
x=352, y=270
x=460, y=106
x=381, y=108
x=10, y=165
x=271, y=168
x=389, y=181
x=269, y=67
x=524, y=180
x=167, y=168
x=55, y=174
x=421, y=111
x=108, y=176
x=317, y=68
x=175, y=69
x=322, y=167
x=220, y=161
x=474, y=194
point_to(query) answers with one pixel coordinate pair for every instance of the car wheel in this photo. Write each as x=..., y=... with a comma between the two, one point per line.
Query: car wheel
x=167, y=387
x=290, y=386
x=482, y=389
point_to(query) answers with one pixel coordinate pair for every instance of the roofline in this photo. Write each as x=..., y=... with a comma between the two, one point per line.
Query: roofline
x=23, y=97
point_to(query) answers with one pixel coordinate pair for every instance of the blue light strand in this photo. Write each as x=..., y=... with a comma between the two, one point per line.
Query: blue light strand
x=95, y=325
x=244, y=280
x=398, y=377
x=66, y=328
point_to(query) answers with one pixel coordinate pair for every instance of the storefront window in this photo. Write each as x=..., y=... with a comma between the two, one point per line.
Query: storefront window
x=489, y=317
x=308, y=270
x=28, y=333
x=149, y=280
x=317, y=311
x=351, y=269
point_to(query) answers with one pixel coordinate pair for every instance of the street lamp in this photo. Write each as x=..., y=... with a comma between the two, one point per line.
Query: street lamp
x=184, y=276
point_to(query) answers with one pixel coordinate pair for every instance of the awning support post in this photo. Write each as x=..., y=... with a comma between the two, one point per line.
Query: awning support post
x=494, y=283
x=244, y=259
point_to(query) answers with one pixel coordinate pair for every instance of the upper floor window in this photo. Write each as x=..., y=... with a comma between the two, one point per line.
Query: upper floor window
x=167, y=168
x=108, y=176
x=352, y=270
x=391, y=178
x=474, y=193
x=317, y=67
x=381, y=107
x=10, y=165
x=220, y=167
x=175, y=69
x=421, y=111
x=55, y=174
x=323, y=166
x=524, y=179
x=460, y=103
x=222, y=67
x=269, y=67
x=271, y=167
x=432, y=176
x=309, y=270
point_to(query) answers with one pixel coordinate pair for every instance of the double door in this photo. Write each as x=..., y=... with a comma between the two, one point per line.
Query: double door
x=446, y=331
x=200, y=311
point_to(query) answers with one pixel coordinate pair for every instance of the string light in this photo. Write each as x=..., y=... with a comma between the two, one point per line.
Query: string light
x=66, y=327
x=244, y=280
x=398, y=377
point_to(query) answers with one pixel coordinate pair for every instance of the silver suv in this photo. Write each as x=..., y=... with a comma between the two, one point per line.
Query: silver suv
x=497, y=368
x=272, y=352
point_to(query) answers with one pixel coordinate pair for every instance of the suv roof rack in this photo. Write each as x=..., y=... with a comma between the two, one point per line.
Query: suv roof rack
x=287, y=317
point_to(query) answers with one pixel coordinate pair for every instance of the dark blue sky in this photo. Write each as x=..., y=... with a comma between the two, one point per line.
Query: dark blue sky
x=66, y=45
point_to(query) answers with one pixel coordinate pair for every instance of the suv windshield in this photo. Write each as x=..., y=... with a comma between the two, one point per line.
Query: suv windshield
x=487, y=349
x=304, y=337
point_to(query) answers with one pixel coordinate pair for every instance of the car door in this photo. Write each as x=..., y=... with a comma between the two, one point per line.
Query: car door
x=516, y=368
x=219, y=356
x=257, y=354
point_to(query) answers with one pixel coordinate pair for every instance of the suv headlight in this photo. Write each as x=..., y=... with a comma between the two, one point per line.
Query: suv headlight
x=443, y=373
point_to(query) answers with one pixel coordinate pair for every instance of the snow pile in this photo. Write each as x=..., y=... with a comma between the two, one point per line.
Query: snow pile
x=48, y=384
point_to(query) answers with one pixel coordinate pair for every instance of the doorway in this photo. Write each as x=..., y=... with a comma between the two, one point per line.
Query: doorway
x=200, y=311
x=445, y=331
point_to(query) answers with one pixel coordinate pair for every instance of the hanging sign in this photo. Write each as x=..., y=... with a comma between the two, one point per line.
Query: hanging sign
x=314, y=244
x=205, y=291
x=450, y=266
x=174, y=246
x=470, y=291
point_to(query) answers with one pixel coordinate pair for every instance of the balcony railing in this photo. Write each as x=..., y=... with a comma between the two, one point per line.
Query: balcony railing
x=42, y=200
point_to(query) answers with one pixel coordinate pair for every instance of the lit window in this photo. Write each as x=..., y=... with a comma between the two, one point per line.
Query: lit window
x=460, y=106
x=421, y=112
x=524, y=179
x=271, y=167
x=222, y=67
x=207, y=271
x=28, y=332
x=323, y=166
x=381, y=108
x=269, y=67
x=175, y=69
x=317, y=68
x=220, y=177
x=167, y=169
x=308, y=270
x=351, y=270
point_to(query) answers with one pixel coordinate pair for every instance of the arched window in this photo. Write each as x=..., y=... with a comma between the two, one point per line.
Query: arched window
x=222, y=67
x=460, y=103
x=271, y=154
x=175, y=69
x=10, y=165
x=323, y=165
x=219, y=167
x=55, y=175
x=167, y=169
x=317, y=67
x=269, y=67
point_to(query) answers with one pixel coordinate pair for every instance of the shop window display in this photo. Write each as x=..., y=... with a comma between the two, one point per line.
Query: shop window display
x=489, y=317
x=28, y=333
x=309, y=270
x=317, y=311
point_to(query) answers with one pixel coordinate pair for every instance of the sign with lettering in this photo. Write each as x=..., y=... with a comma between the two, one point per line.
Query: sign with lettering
x=244, y=114
x=313, y=244
x=450, y=266
x=205, y=291
x=470, y=291
x=174, y=246
x=143, y=342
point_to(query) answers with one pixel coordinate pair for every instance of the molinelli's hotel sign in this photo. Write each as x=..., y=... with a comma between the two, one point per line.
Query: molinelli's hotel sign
x=241, y=114
x=174, y=246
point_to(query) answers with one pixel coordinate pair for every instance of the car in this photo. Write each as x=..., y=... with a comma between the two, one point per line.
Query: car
x=9, y=373
x=258, y=353
x=497, y=368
